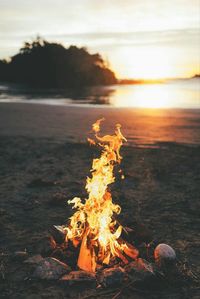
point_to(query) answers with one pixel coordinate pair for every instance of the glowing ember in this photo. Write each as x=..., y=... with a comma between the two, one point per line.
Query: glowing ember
x=93, y=224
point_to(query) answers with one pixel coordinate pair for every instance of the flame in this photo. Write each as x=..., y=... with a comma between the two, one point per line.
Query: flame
x=93, y=224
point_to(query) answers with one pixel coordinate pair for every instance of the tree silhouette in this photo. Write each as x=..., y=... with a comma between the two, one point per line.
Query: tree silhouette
x=44, y=64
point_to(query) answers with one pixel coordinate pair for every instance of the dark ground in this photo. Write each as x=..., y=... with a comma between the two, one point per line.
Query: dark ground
x=38, y=176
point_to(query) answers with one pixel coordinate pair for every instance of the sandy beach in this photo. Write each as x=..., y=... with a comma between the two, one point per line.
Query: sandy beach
x=44, y=161
x=142, y=127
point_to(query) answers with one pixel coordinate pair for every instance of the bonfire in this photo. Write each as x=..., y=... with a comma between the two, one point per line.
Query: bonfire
x=93, y=226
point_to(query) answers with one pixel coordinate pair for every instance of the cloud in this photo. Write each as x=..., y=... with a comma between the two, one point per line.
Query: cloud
x=103, y=41
x=167, y=37
x=105, y=26
x=48, y=16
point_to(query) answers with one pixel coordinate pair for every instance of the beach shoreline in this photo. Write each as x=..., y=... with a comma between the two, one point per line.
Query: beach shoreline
x=142, y=127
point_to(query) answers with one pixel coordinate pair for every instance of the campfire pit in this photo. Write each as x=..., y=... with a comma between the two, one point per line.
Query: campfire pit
x=93, y=247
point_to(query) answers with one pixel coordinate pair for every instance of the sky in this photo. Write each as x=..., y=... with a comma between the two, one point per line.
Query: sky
x=138, y=38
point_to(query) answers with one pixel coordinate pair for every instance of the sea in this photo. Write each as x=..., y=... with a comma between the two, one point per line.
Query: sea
x=182, y=93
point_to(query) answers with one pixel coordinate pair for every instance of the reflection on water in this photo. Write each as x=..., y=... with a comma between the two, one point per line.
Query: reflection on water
x=168, y=95
x=174, y=94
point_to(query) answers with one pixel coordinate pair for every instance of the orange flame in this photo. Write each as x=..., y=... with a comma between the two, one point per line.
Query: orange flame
x=93, y=224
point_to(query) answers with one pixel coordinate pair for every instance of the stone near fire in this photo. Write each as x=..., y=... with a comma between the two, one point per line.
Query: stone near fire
x=164, y=255
x=79, y=277
x=111, y=276
x=51, y=268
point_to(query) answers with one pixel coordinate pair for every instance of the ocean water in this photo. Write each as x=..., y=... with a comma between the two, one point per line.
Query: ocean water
x=172, y=94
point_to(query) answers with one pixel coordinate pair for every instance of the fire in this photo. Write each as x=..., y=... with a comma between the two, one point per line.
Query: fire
x=93, y=224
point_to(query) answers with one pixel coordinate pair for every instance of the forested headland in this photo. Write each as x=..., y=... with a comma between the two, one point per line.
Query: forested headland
x=46, y=64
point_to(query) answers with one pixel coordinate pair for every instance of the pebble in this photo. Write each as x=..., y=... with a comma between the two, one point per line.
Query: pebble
x=164, y=255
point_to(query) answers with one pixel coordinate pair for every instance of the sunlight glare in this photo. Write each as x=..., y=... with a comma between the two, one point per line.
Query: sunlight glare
x=154, y=96
x=146, y=63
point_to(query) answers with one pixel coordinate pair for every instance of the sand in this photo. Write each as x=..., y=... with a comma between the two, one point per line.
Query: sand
x=140, y=126
x=45, y=144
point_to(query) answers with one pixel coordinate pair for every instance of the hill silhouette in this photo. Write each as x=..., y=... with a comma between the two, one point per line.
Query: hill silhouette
x=45, y=64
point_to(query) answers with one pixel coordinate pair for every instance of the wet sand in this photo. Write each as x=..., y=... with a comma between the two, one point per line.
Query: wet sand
x=41, y=143
x=140, y=126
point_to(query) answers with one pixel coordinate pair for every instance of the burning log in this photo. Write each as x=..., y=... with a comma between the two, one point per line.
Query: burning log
x=87, y=258
x=131, y=251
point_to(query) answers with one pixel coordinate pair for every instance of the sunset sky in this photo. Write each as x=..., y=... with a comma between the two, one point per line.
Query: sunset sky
x=139, y=38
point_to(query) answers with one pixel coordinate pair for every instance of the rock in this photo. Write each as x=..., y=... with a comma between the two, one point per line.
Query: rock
x=111, y=276
x=140, y=271
x=50, y=268
x=164, y=255
x=79, y=277
x=36, y=259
